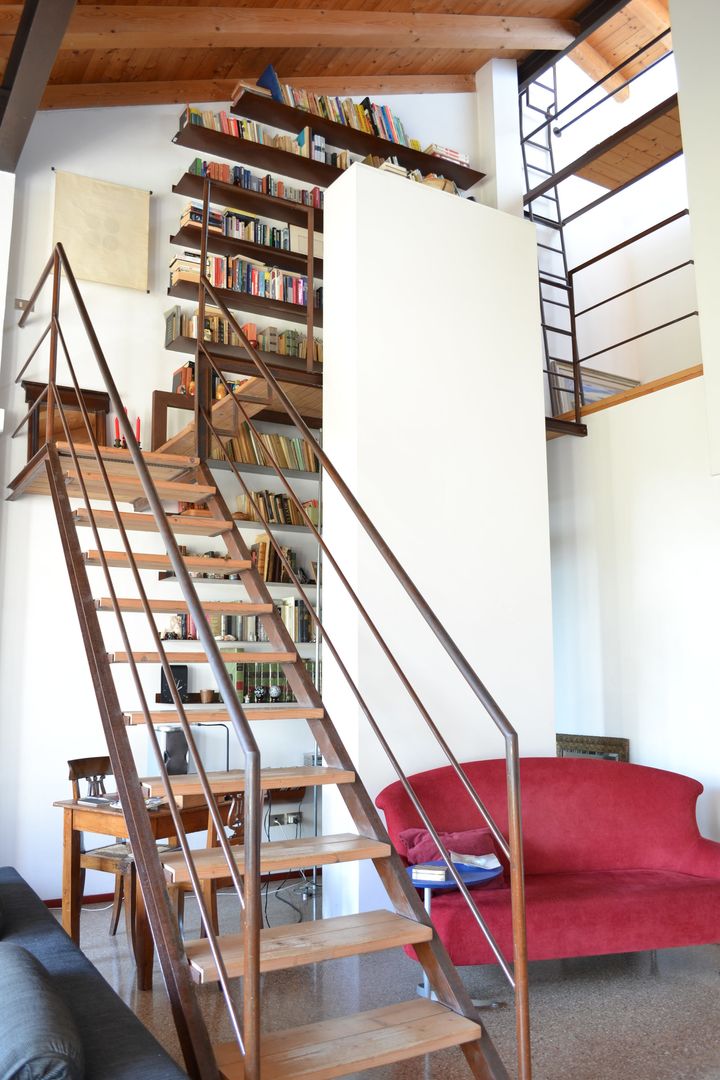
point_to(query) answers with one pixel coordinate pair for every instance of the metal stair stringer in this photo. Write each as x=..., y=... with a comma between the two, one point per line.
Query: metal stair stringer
x=190, y=1025
x=481, y=1056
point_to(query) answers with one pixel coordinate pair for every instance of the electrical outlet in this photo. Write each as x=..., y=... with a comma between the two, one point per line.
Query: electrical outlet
x=294, y=818
x=278, y=819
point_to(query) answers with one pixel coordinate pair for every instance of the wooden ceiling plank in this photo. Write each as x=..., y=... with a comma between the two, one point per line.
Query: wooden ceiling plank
x=147, y=26
x=37, y=39
x=179, y=92
x=597, y=66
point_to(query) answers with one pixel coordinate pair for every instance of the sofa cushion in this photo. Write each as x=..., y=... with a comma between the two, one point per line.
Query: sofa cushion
x=585, y=914
x=419, y=846
x=38, y=1037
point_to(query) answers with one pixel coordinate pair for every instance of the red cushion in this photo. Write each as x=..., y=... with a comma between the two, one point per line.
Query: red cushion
x=585, y=914
x=420, y=847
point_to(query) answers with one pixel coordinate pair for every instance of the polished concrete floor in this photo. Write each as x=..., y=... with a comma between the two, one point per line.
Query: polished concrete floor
x=605, y=1018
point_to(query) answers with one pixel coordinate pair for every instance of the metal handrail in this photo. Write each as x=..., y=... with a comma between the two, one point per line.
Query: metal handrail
x=520, y=979
x=247, y=1035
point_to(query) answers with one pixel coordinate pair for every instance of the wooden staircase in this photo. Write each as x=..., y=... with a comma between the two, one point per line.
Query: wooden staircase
x=137, y=494
x=328, y=1049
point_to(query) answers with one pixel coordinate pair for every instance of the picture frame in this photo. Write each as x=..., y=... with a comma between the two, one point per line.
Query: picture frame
x=604, y=747
x=595, y=385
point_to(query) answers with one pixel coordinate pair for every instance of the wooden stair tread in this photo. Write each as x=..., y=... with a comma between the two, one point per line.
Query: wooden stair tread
x=129, y=488
x=243, y=656
x=119, y=462
x=233, y=780
x=309, y=943
x=354, y=1043
x=279, y=855
x=179, y=607
x=153, y=561
x=182, y=524
x=218, y=714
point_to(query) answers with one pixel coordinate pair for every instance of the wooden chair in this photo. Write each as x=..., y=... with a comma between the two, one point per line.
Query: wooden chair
x=114, y=858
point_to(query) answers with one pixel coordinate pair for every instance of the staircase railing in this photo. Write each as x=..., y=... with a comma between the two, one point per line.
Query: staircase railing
x=193, y=1034
x=517, y=973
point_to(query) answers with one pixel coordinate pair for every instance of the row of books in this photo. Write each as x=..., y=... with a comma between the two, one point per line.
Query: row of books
x=289, y=452
x=305, y=144
x=269, y=563
x=217, y=329
x=275, y=508
x=240, y=176
x=392, y=165
x=250, y=628
x=264, y=682
x=249, y=227
x=244, y=276
x=366, y=116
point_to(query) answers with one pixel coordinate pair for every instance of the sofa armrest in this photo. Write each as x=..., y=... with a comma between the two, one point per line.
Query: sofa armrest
x=701, y=859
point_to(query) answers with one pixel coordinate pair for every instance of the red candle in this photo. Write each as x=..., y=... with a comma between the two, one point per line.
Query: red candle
x=137, y=429
x=117, y=430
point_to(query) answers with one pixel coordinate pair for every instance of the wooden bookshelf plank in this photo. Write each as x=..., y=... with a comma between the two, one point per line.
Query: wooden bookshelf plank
x=257, y=155
x=257, y=305
x=266, y=110
x=291, y=367
x=254, y=202
x=189, y=237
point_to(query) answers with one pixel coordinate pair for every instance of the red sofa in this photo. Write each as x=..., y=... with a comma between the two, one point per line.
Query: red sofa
x=614, y=861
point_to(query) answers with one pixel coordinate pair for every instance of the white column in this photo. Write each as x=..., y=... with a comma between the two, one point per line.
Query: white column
x=7, y=193
x=498, y=116
x=434, y=415
x=696, y=33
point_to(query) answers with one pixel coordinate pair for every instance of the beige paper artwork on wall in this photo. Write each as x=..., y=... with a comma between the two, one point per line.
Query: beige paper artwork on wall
x=104, y=228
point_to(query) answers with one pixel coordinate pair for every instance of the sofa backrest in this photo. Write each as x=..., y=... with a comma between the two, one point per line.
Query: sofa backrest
x=578, y=814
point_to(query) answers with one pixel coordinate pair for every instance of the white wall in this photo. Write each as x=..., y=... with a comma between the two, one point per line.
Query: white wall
x=635, y=530
x=434, y=416
x=696, y=32
x=7, y=193
x=47, y=708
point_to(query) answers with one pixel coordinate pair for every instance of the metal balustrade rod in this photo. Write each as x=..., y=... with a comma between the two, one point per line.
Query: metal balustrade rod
x=414, y=697
x=611, y=93
x=507, y=971
x=632, y=288
x=176, y=817
x=636, y=337
x=38, y=401
x=27, y=363
x=253, y=801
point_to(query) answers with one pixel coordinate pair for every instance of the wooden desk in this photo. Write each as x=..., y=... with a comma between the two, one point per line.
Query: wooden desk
x=107, y=822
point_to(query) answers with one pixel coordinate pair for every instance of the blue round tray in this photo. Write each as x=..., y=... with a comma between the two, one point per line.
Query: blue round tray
x=471, y=875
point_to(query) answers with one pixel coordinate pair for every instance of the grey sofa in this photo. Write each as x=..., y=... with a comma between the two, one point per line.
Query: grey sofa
x=116, y=1045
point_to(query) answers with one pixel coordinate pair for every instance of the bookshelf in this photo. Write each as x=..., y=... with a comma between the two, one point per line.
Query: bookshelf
x=265, y=110
x=235, y=197
x=243, y=301
x=257, y=155
x=294, y=366
x=189, y=237
x=264, y=470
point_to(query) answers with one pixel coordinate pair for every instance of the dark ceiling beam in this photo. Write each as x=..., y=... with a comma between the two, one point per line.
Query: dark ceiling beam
x=39, y=33
x=589, y=20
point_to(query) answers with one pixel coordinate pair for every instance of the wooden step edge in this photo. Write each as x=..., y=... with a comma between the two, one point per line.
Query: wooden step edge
x=201, y=658
x=187, y=790
x=279, y=855
x=352, y=1044
x=116, y=453
x=132, y=605
x=215, y=715
x=172, y=488
x=154, y=561
x=183, y=524
x=294, y=945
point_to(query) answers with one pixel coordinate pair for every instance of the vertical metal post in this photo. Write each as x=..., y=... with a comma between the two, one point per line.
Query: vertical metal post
x=203, y=380
x=252, y=917
x=577, y=374
x=52, y=366
x=310, y=352
x=517, y=898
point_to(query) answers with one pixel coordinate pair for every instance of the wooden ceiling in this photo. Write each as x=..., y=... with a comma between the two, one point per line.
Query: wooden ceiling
x=130, y=52
x=126, y=52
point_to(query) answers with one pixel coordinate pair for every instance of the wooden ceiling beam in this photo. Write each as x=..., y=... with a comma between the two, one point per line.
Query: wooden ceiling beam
x=37, y=36
x=597, y=66
x=588, y=21
x=103, y=95
x=148, y=26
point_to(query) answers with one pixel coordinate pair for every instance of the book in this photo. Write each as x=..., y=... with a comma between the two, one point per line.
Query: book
x=430, y=871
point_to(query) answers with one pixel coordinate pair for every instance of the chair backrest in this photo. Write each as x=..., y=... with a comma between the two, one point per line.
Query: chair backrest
x=92, y=769
x=577, y=814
